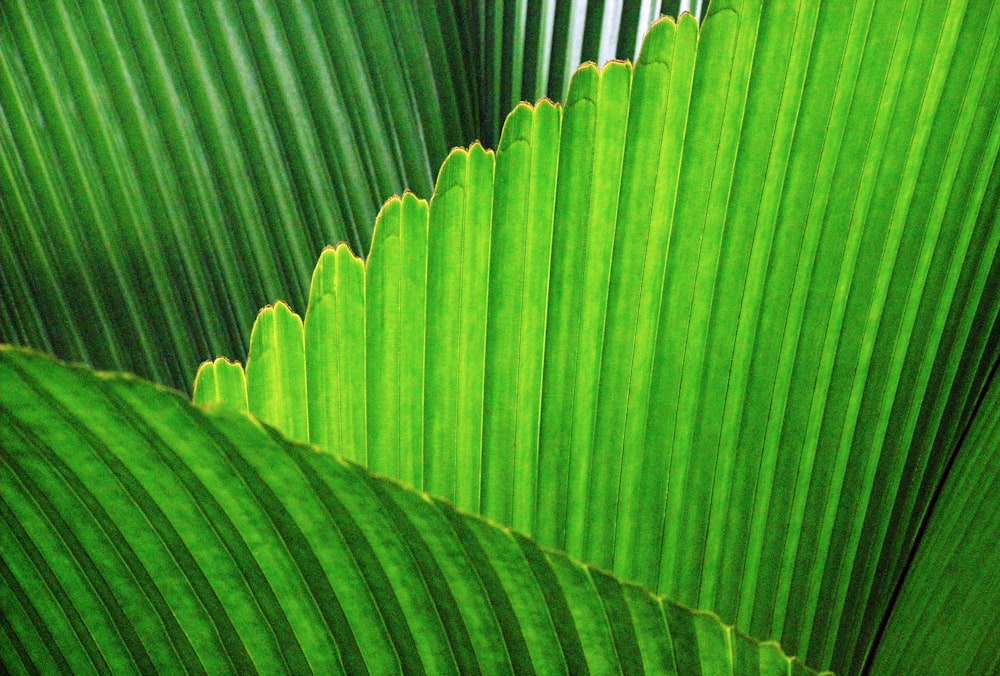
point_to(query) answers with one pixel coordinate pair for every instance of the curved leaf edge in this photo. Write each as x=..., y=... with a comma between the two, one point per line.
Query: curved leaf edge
x=221, y=415
x=394, y=200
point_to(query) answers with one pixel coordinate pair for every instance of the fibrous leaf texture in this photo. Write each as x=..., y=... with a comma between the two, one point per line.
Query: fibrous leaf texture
x=717, y=323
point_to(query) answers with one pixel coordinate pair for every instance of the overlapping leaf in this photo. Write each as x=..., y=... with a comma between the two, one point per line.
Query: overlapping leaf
x=530, y=50
x=157, y=160
x=142, y=534
x=698, y=325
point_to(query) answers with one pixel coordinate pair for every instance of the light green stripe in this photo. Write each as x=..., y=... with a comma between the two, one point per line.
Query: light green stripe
x=523, y=206
x=276, y=372
x=457, y=287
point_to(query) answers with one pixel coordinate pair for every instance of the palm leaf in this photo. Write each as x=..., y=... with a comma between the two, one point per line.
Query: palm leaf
x=530, y=50
x=155, y=161
x=224, y=548
x=704, y=360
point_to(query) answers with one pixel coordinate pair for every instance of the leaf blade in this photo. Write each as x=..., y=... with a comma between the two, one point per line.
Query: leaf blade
x=249, y=513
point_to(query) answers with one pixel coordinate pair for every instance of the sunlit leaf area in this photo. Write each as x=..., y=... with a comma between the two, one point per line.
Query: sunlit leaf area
x=548, y=336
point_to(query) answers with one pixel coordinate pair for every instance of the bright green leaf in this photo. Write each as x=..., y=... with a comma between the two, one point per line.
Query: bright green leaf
x=221, y=381
x=277, y=367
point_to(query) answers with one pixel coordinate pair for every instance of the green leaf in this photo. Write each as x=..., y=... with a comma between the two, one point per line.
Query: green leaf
x=458, y=255
x=530, y=50
x=732, y=299
x=158, y=161
x=141, y=533
x=277, y=367
x=394, y=343
x=335, y=346
x=222, y=381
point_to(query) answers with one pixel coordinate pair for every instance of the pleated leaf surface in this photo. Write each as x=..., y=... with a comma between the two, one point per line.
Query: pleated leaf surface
x=715, y=324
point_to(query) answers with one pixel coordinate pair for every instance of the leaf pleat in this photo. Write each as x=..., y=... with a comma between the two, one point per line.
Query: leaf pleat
x=444, y=587
x=221, y=381
x=520, y=250
x=648, y=619
x=615, y=608
x=785, y=43
x=279, y=366
x=378, y=584
x=458, y=260
x=335, y=353
x=515, y=645
x=394, y=342
x=578, y=587
x=34, y=623
x=581, y=260
x=13, y=651
x=967, y=282
x=526, y=597
x=560, y=613
x=228, y=552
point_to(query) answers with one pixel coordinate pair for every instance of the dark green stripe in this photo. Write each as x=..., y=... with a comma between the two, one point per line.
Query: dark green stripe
x=90, y=570
x=517, y=648
x=232, y=539
x=560, y=43
x=444, y=600
x=628, y=30
x=206, y=594
x=593, y=27
x=747, y=654
x=364, y=555
x=530, y=43
x=11, y=587
x=562, y=617
x=304, y=557
x=171, y=540
x=684, y=639
x=651, y=627
x=671, y=7
x=620, y=619
x=799, y=669
x=177, y=638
